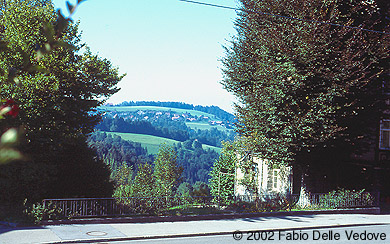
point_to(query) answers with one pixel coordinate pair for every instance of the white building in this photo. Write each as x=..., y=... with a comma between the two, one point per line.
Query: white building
x=270, y=180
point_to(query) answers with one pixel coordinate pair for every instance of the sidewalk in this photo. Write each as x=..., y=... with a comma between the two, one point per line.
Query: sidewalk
x=87, y=233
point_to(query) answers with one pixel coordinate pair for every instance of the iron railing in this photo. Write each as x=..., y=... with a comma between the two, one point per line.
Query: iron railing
x=317, y=200
x=132, y=206
x=111, y=207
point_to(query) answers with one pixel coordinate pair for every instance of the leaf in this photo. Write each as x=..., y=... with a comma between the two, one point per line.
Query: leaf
x=64, y=45
x=48, y=31
x=61, y=23
x=9, y=154
x=17, y=81
x=9, y=137
x=11, y=75
x=3, y=45
x=38, y=68
x=71, y=8
x=39, y=55
x=4, y=110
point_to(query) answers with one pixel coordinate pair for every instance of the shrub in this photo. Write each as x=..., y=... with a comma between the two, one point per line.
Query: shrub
x=343, y=198
x=38, y=212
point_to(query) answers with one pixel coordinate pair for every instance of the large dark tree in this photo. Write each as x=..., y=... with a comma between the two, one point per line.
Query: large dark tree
x=304, y=87
x=57, y=94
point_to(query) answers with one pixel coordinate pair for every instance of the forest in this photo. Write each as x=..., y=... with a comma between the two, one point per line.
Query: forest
x=116, y=153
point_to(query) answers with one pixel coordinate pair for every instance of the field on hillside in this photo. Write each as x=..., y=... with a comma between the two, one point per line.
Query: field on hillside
x=152, y=143
x=155, y=108
x=205, y=126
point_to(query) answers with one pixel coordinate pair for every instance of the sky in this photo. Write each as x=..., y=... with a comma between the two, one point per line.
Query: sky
x=169, y=49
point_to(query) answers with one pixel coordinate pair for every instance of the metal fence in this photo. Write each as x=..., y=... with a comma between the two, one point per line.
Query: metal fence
x=111, y=207
x=316, y=200
x=132, y=206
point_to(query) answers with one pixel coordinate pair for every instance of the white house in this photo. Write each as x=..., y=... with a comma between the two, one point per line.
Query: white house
x=270, y=179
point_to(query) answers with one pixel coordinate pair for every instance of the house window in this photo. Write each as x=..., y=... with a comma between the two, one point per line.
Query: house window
x=275, y=174
x=384, y=141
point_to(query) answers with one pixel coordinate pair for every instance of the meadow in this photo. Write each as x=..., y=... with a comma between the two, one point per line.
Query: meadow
x=152, y=143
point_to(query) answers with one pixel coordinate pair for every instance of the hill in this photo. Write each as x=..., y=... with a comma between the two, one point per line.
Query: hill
x=214, y=110
x=196, y=135
x=171, y=123
x=152, y=143
x=156, y=108
x=131, y=150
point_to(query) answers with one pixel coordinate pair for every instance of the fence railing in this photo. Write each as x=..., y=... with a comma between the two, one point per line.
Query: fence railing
x=317, y=200
x=111, y=207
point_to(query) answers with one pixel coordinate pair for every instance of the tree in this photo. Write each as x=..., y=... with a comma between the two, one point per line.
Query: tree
x=167, y=173
x=57, y=105
x=200, y=189
x=184, y=190
x=222, y=173
x=305, y=87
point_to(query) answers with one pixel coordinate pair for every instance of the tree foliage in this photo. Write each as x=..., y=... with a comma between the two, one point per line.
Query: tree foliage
x=303, y=85
x=167, y=172
x=222, y=173
x=57, y=87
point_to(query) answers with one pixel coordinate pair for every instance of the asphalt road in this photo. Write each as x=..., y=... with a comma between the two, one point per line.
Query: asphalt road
x=372, y=234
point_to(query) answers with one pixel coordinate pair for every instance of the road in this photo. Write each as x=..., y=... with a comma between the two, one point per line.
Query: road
x=317, y=227
x=339, y=235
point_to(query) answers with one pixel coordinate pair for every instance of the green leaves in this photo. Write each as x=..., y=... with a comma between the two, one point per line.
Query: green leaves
x=300, y=85
x=222, y=173
x=8, y=141
x=56, y=93
x=166, y=171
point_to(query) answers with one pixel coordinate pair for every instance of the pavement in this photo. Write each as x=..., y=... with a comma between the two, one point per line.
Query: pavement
x=104, y=232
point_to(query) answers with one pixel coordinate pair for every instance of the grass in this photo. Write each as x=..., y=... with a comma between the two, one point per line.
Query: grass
x=155, y=108
x=152, y=143
x=205, y=126
x=194, y=209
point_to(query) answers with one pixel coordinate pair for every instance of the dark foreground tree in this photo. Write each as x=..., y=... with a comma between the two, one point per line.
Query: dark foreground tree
x=303, y=87
x=56, y=106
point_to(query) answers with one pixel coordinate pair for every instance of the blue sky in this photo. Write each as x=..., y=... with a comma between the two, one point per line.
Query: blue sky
x=169, y=49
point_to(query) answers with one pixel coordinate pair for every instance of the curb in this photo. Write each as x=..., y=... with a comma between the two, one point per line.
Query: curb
x=153, y=219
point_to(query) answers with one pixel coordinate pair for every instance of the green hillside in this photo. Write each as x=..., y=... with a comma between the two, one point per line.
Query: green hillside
x=155, y=108
x=152, y=143
x=205, y=126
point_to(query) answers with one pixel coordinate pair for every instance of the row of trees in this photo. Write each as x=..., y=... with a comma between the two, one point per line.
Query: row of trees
x=159, y=179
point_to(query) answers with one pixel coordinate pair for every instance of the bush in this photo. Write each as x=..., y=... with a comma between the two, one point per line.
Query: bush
x=343, y=198
x=275, y=202
x=38, y=212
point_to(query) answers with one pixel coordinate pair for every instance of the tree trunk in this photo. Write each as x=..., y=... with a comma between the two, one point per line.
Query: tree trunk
x=304, y=194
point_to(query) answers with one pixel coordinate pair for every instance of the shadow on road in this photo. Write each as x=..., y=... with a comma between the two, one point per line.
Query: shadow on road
x=8, y=228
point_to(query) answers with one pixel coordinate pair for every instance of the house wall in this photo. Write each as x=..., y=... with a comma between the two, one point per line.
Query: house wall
x=270, y=180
